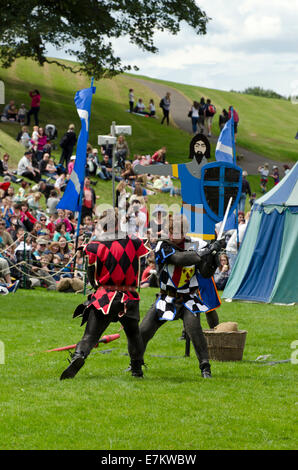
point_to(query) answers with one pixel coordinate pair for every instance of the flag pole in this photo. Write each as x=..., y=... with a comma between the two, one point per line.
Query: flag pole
x=80, y=203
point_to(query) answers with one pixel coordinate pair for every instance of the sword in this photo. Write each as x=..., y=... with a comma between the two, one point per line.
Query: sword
x=219, y=236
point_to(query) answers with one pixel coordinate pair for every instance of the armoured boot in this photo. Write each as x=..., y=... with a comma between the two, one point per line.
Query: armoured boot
x=205, y=370
x=77, y=361
x=136, y=368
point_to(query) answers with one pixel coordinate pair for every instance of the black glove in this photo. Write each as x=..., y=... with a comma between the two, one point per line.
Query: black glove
x=217, y=246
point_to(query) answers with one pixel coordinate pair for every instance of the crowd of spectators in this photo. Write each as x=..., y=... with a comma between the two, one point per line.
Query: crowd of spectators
x=38, y=241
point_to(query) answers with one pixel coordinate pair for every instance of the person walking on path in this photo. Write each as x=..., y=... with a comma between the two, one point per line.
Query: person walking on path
x=35, y=107
x=165, y=105
x=194, y=114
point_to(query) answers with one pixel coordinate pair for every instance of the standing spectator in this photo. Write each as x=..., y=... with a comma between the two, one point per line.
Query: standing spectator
x=194, y=114
x=131, y=100
x=286, y=169
x=42, y=141
x=236, y=120
x=165, y=104
x=245, y=190
x=67, y=144
x=222, y=273
x=264, y=172
x=89, y=199
x=35, y=106
x=275, y=175
x=22, y=113
x=201, y=121
x=223, y=118
x=25, y=167
x=210, y=111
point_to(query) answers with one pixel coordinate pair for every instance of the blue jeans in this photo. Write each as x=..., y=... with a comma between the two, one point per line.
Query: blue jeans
x=194, y=122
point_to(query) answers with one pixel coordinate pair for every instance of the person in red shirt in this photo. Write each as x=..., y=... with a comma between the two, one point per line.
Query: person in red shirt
x=113, y=272
x=35, y=107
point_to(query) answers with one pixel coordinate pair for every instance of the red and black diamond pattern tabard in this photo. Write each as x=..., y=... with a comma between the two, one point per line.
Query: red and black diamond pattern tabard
x=117, y=261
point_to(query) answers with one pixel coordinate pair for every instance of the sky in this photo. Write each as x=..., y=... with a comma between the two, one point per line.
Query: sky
x=248, y=43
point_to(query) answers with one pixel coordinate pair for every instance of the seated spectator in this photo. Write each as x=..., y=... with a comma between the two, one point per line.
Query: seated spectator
x=60, y=183
x=12, y=113
x=34, y=202
x=27, y=218
x=23, y=138
x=51, y=170
x=152, y=110
x=104, y=170
x=5, y=171
x=128, y=173
x=121, y=151
x=7, y=110
x=42, y=245
x=52, y=202
x=61, y=232
x=64, y=251
x=5, y=239
x=25, y=167
x=121, y=195
x=45, y=189
x=222, y=273
x=159, y=156
x=149, y=276
x=158, y=224
x=140, y=191
x=62, y=218
x=140, y=107
x=92, y=162
x=6, y=210
x=22, y=113
x=6, y=276
x=136, y=220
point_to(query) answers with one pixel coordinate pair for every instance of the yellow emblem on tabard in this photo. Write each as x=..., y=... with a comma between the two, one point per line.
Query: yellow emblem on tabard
x=186, y=275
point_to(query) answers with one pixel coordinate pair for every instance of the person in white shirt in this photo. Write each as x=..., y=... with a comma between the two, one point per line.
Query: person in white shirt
x=26, y=169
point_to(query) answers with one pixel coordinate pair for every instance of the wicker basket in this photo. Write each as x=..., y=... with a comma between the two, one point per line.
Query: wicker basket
x=225, y=346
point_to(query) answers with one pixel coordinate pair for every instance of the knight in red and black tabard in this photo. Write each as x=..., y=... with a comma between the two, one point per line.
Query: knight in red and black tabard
x=113, y=271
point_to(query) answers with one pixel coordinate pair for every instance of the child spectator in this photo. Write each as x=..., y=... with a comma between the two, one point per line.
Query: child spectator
x=22, y=113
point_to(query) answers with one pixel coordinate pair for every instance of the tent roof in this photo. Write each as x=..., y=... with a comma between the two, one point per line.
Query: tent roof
x=285, y=193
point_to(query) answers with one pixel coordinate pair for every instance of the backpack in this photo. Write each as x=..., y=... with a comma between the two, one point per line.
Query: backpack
x=161, y=103
x=211, y=109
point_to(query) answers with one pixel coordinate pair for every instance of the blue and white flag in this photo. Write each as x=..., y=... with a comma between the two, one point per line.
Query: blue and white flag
x=71, y=196
x=224, y=151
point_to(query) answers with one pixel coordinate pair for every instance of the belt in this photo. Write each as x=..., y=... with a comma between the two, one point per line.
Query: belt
x=118, y=288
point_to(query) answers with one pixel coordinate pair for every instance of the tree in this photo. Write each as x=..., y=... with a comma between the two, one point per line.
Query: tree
x=28, y=26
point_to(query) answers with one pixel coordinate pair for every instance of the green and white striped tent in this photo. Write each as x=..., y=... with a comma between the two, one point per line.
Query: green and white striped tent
x=266, y=268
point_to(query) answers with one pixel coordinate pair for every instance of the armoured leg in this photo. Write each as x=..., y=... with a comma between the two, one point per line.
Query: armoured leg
x=149, y=326
x=212, y=319
x=96, y=325
x=192, y=326
x=135, y=345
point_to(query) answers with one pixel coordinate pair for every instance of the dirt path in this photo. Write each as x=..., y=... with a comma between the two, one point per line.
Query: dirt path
x=180, y=106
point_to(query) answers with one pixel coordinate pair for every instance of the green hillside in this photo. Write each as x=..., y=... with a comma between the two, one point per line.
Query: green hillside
x=267, y=126
x=110, y=103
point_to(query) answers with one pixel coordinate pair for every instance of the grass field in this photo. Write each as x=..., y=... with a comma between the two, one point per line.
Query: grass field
x=246, y=405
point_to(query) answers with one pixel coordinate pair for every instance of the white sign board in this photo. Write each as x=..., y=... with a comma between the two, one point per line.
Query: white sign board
x=122, y=130
x=106, y=139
